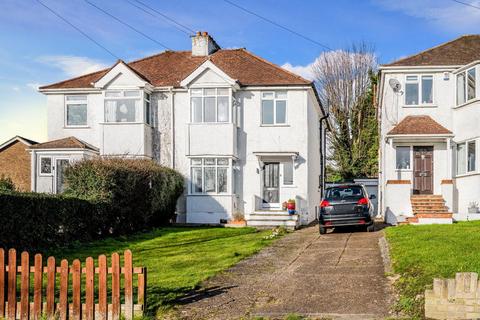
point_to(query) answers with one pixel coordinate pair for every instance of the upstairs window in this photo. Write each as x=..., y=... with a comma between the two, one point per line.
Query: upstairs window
x=76, y=111
x=123, y=106
x=274, y=108
x=418, y=90
x=466, y=83
x=210, y=105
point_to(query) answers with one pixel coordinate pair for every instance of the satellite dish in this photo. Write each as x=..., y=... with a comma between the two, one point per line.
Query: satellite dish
x=395, y=84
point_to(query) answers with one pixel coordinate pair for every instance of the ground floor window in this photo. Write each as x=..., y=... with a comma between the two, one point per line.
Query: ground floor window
x=209, y=175
x=45, y=165
x=403, y=158
x=466, y=157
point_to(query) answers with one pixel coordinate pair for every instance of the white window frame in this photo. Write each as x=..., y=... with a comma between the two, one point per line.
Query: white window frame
x=74, y=102
x=466, y=143
x=140, y=97
x=40, y=166
x=203, y=96
x=420, y=92
x=282, y=173
x=216, y=166
x=410, y=154
x=465, y=74
x=147, y=114
x=275, y=99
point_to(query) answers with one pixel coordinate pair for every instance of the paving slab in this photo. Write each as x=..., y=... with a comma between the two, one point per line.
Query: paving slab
x=339, y=275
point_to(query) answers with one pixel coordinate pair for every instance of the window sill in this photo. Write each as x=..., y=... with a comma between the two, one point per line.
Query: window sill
x=120, y=123
x=274, y=125
x=469, y=174
x=288, y=186
x=422, y=106
x=466, y=103
x=403, y=170
x=210, y=194
x=76, y=127
x=209, y=123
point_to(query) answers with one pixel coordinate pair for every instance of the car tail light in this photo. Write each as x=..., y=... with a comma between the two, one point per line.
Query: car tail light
x=363, y=201
x=328, y=223
x=324, y=204
x=361, y=221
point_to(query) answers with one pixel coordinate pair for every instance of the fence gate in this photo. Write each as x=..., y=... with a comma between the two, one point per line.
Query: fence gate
x=70, y=291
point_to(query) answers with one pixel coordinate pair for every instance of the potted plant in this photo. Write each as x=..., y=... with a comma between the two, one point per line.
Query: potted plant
x=291, y=206
x=473, y=207
x=285, y=205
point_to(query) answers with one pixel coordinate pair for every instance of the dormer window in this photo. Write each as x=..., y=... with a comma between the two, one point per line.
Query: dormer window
x=418, y=90
x=210, y=105
x=125, y=106
x=466, y=82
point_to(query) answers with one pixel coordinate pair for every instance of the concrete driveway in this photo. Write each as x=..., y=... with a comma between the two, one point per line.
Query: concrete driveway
x=339, y=275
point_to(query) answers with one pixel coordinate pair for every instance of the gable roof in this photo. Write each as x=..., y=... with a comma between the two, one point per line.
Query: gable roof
x=21, y=139
x=169, y=68
x=65, y=143
x=460, y=51
x=419, y=125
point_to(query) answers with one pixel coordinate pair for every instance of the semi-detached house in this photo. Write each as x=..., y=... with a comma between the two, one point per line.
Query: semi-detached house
x=246, y=134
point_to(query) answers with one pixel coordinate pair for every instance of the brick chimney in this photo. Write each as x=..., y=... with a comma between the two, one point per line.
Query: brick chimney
x=203, y=44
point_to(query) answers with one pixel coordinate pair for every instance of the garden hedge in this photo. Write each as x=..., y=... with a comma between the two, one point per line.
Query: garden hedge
x=103, y=197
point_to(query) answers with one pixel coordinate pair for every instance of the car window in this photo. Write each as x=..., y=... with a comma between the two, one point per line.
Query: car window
x=344, y=192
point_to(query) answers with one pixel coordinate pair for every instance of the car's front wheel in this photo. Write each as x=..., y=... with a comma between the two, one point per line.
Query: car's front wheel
x=323, y=230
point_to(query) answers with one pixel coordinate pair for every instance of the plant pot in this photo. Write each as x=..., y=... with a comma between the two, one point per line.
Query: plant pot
x=291, y=211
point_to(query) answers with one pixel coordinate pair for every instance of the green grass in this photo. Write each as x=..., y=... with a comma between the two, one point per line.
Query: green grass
x=421, y=253
x=177, y=259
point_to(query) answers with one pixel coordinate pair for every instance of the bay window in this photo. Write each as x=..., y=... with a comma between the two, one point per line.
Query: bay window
x=466, y=86
x=210, y=105
x=123, y=106
x=75, y=111
x=209, y=175
x=274, y=108
x=418, y=90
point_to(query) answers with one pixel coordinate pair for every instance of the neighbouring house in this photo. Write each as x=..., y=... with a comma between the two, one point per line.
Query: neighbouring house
x=246, y=134
x=15, y=161
x=429, y=114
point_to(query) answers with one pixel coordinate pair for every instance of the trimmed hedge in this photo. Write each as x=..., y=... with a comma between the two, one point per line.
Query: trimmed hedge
x=103, y=197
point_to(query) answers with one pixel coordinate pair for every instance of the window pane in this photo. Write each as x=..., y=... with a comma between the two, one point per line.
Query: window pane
x=126, y=111
x=281, y=112
x=197, y=180
x=197, y=109
x=222, y=180
x=427, y=86
x=267, y=95
x=209, y=161
x=411, y=93
x=45, y=165
x=222, y=161
x=76, y=98
x=222, y=109
x=288, y=173
x=210, y=92
x=76, y=115
x=209, y=115
x=196, y=92
x=148, y=115
x=460, y=88
x=197, y=162
x=412, y=78
x=132, y=93
x=471, y=156
x=267, y=111
x=281, y=95
x=209, y=179
x=403, y=158
x=461, y=158
x=222, y=92
x=113, y=94
x=471, y=84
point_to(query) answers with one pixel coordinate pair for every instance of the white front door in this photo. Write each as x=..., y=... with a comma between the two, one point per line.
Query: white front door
x=271, y=185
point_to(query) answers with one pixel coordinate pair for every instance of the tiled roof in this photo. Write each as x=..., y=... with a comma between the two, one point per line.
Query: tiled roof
x=460, y=51
x=169, y=68
x=418, y=125
x=65, y=143
x=25, y=141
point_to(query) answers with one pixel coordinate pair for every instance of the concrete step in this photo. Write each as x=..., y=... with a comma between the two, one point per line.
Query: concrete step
x=264, y=216
x=291, y=224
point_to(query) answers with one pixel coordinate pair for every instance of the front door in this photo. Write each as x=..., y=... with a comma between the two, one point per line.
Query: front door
x=423, y=170
x=60, y=166
x=271, y=185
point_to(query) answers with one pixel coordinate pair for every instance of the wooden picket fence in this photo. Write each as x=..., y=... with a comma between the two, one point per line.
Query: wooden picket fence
x=64, y=305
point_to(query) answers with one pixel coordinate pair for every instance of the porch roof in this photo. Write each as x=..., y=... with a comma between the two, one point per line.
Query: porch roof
x=65, y=143
x=419, y=126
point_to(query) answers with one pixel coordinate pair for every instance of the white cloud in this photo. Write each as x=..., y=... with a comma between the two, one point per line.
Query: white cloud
x=445, y=15
x=73, y=66
x=303, y=71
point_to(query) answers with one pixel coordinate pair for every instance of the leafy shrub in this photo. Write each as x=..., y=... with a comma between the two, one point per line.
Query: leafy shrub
x=6, y=184
x=140, y=193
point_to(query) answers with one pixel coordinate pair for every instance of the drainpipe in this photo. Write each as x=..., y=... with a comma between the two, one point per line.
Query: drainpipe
x=172, y=127
x=323, y=145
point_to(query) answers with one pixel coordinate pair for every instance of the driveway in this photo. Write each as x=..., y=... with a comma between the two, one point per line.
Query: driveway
x=339, y=275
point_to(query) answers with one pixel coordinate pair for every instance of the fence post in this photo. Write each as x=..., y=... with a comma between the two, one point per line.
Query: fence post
x=102, y=287
x=89, y=289
x=50, y=286
x=63, y=301
x=115, y=286
x=37, y=287
x=2, y=283
x=128, y=284
x=142, y=289
x=25, y=287
x=12, y=284
x=76, y=284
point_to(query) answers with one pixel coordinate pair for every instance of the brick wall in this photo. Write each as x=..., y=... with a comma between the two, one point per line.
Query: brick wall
x=15, y=163
x=457, y=298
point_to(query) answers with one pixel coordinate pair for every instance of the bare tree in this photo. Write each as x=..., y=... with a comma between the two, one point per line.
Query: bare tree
x=344, y=79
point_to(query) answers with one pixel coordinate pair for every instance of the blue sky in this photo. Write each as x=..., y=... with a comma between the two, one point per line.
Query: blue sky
x=38, y=48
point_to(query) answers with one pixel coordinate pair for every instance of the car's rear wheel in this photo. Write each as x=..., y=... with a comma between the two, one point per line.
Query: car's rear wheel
x=323, y=230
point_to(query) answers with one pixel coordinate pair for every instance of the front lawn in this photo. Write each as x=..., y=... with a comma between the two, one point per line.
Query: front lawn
x=421, y=253
x=177, y=259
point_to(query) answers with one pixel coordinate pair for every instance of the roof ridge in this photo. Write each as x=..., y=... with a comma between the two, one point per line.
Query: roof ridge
x=275, y=65
x=432, y=48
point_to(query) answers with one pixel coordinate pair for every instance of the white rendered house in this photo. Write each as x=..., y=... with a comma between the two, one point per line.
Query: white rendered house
x=246, y=134
x=430, y=127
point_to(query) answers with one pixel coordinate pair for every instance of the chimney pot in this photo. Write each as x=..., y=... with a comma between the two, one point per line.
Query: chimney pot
x=203, y=44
